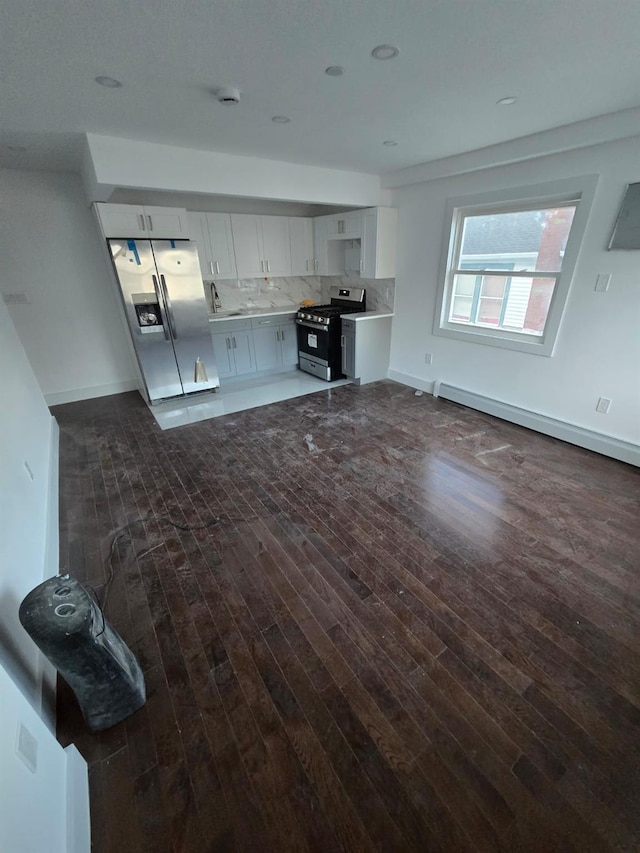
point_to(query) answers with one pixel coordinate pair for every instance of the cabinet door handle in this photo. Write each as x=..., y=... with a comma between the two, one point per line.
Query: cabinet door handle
x=277, y=334
x=361, y=265
x=307, y=263
x=228, y=343
x=217, y=268
x=235, y=346
x=268, y=267
x=262, y=265
x=150, y=223
x=142, y=225
x=211, y=266
x=316, y=263
x=342, y=341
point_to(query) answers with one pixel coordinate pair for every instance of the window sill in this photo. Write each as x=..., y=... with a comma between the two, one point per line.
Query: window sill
x=532, y=344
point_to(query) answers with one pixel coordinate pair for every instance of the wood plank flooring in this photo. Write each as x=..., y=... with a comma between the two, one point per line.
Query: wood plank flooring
x=413, y=628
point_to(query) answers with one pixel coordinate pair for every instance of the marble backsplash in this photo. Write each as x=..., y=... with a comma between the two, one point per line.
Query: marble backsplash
x=285, y=292
x=380, y=291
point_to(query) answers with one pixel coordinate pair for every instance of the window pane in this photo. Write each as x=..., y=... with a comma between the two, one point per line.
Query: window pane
x=464, y=285
x=489, y=311
x=461, y=308
x=526, y=239
x=493, y=285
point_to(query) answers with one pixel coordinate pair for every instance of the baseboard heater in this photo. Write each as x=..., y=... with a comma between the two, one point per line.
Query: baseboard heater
x=625, y=451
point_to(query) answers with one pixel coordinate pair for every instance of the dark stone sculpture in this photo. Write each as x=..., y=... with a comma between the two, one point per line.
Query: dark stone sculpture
x=70, y=630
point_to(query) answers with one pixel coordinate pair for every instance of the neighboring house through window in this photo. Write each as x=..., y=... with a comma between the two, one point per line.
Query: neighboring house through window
x=508, y=268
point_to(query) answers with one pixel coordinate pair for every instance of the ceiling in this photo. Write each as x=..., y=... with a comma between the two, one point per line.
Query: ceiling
x=564, y=60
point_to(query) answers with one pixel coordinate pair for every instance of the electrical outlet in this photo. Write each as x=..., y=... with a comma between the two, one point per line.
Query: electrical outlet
x=602, y=282
x=27, y=747
x=603, y=406
x=428, y=358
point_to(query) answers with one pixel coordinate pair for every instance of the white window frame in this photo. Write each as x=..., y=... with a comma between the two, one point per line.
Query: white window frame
x=580, y=191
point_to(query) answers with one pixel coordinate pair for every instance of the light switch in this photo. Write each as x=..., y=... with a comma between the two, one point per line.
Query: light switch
x=602, y=282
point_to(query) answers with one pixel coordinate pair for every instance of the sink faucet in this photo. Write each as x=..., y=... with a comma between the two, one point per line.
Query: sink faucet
x=216, y=305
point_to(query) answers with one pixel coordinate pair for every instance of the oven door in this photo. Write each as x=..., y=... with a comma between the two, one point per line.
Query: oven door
x=313, y=340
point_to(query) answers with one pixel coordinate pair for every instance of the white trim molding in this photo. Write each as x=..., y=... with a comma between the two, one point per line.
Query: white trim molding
x=75, y=394
x=582, y=189
x=624, y=451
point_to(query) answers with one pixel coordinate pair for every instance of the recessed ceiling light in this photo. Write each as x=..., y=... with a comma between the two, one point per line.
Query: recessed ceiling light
x=390, y=143
x=281, y=119
x=17, y=149
x=109, y=82
x=385, y=51
x=506, y=102
x=334, y=71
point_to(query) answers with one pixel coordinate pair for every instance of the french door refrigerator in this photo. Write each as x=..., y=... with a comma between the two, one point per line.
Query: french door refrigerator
x=167, y=313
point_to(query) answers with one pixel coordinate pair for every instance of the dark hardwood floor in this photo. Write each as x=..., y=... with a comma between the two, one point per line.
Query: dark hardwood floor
x=413, y=628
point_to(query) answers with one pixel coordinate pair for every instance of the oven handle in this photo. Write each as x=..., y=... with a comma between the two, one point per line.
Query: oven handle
x=311, y=325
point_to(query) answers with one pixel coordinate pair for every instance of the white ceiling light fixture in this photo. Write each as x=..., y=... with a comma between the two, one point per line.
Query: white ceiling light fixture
x=385, y=51
x=506, y=102
x=334, y=71
x=390, y=143
x=109, y=82
x=281, y=119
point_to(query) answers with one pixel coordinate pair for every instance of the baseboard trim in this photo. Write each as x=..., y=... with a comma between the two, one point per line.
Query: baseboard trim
x=75, y=394
x=624, y=451
x=616, y=448
x=77, y=795
x=411, y=381
x=46, y=675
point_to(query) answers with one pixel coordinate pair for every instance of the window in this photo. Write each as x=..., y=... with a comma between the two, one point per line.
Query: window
x=508, y=269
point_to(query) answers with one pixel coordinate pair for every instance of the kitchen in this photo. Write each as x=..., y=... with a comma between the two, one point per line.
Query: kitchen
x=256, y=270
x=378, y=617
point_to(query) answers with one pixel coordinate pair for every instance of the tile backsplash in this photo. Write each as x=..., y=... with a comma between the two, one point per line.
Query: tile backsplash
x=284, y=292
x=380, y=291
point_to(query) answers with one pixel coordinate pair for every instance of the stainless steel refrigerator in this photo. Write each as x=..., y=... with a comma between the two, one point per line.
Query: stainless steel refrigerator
x=167, y=313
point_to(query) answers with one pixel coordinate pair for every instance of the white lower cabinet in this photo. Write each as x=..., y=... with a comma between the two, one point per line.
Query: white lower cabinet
x=366, y=342
x=233, y=348
x=275, y=342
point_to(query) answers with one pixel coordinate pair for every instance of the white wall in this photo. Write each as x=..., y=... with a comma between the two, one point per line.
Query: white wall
x=147, y=165
x=598, y=347
x=28, y=553
x=51, y=251
x=45, y=811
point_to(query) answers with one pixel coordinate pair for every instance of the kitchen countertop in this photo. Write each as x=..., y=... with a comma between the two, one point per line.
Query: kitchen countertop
x=366, y=315
x=248, y=313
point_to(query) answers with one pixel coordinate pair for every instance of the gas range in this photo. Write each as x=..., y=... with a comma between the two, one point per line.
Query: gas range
x=344, y=300
x=319, y=332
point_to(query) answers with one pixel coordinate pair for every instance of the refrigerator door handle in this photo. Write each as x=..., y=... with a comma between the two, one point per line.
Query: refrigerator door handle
x=160, y=302
x=167, y=302
x=142, y=226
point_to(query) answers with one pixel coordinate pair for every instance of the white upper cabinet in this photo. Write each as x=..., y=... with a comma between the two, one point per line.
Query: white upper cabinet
x=131, y=220
x=301, y=236
x=345, y=226
x=276, y=246
x=212, y=233
x=249, y=258
x=329, y=254
x=262, y=245
x=378, y=253
x=371, y=233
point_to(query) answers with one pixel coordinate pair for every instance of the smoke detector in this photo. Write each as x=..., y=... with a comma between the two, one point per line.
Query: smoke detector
x=227, y=95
